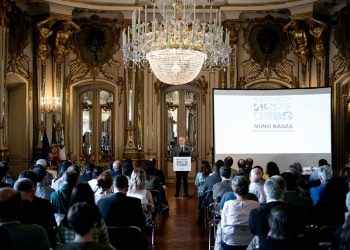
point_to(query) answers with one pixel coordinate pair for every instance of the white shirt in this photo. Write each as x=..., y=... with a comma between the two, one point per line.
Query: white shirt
x=235, y=221
x=258, y=190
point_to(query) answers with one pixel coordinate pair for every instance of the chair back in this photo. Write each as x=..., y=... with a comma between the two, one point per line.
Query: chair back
x=127, y=238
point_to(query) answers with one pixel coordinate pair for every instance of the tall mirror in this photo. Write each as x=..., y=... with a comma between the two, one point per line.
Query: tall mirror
x=86, y=106
x=191, y=119
x=106, y=105
x=172, y=104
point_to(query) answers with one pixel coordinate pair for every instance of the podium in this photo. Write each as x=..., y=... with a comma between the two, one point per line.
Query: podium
x=182, y=163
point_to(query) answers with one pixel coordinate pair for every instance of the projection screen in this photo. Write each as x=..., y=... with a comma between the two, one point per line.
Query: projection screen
x=284, y=126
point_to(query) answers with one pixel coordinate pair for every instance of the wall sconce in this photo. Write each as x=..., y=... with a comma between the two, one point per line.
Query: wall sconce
x=50, y=104
x=346, y=100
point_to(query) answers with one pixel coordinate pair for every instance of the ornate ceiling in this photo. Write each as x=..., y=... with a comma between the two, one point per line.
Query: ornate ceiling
x=225, y=5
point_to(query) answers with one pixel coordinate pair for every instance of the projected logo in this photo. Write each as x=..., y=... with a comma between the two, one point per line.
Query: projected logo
x=273, y=114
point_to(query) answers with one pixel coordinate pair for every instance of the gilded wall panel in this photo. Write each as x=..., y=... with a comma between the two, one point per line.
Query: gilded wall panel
x=267, y=46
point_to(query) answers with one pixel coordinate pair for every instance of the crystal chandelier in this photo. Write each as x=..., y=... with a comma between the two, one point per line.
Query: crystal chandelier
x=178, y=47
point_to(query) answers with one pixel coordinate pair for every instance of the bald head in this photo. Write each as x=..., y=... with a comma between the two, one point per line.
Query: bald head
x=10, y=203
x=117, y=165
x=255, y=175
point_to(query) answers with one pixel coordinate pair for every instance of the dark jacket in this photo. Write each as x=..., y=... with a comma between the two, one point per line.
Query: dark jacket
x=121, y=210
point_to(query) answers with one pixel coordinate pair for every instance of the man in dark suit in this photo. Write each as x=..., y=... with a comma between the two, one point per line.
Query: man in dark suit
x=119, y=209
x=182, y=150
x=220, y=188
x=274, y=188
x=292, y=197
x=35, y=210
x=88, y=173
x=23, y=236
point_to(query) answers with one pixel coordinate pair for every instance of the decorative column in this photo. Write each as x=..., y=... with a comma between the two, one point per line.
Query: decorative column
x=4, y=34
x=130, y=149
x=44, y=50
x=62, y=41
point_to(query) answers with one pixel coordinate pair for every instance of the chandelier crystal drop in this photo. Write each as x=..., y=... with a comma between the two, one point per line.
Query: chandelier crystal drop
x=178, y=47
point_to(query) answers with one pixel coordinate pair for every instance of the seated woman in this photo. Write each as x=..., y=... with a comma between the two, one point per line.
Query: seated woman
x=105, y=186
x=82, y=192
x=283, y=232
x=137, y=190
x=235, y=216
x=153, y=183
x=199, y=184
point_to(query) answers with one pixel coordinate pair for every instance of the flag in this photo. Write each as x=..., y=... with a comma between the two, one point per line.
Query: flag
x=54, y=145
x=45, y=146
x=62, y=152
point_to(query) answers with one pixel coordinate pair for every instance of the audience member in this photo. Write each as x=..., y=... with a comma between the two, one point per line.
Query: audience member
x=272, y=169
x=105, y=186
x=314, y=177
x=137, y=190
x=95, y=174
x=127, y=168
x=296, y=169
x=337, y=234
x=158, y=172
x=82, y=193
x=235, y=215
x=224, y=186
x=274, y=188
x=8, y=178
x=23, y=236
x=256, y=185
x=228, y=162
x=82, y=221
x=283, y=233
x=228, y=196
x=199, y=183
x=241, y=164
x=249, y=165
x=292, y=197
x=35, y=210
x=153, y=183
x=43, y=190
x=62, y=168
x=87, y=175
x=209, y=182
x=43, y=162
x=324, y=174
x=60, y=198
x=116, y=168
x=119, y=209
x=3, y=171
x=330, y=208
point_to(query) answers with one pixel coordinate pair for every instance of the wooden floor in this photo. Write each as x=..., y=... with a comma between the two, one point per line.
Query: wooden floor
x=178, y=228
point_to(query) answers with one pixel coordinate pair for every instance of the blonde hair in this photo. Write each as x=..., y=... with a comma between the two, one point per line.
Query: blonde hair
x=137, y=180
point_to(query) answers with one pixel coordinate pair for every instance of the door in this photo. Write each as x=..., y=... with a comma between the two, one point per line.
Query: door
x=181, y=112
x=95, y=124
